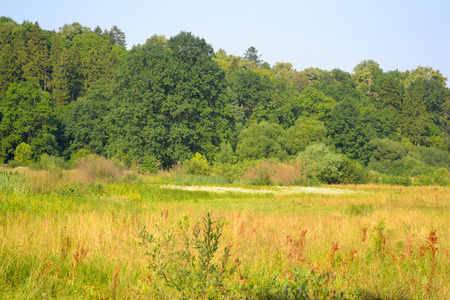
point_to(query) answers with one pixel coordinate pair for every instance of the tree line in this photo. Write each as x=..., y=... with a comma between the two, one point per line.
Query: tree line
x=79, y=89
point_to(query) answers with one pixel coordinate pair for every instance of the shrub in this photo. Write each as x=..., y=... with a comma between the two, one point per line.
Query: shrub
x=304, y=132
x=52, y=163
x=149, y=164
x=384, y=149
x=413, y=167
x=226, y=154
x=323, y=164
x=354, y=172
x=197, y=165
x=14, y=164
x=77, y=156
x=187, y=259
x=267, y=172
x=23, y=153
x=395, y=180
x=432, y=156
x=96, y=167
x=263, y=140
x=441, y=176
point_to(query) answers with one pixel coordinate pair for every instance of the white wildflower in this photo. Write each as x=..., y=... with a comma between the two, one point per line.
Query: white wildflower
x=276, y=190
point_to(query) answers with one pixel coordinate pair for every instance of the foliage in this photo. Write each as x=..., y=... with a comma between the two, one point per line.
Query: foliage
x=251, y=54
x=226, y=154
x=75, y=157
x=273, y=172
x=77, y=88
x=432, y=156
x=346, y=129
x=27, y=117
x=415, y=120
x=315, y=104
x=88, y=123
x=263, y=140
x=304, y=132
x=99, y=168
x=192, y=264
x=23, y=153
x=149, y=164
x=322, y=164
x=52, y=163
x=198, y=165
x=169, y=101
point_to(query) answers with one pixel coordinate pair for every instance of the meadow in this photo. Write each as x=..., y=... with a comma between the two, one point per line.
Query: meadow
x=148, y=237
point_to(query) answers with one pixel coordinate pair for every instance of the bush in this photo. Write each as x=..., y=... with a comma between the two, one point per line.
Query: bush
x=23, y=153
x=149, y=164
x=354, y=172
x=52, y=163
x=432, y=157
x=414, y=167
x=304, y=132
x=323, y=164
x=197, y=165
x=267, y=172
x=395, y=180
x=14, y=164
x=441, y=177
x=263, y=140
x=226, y=154
x=77, y=156
x=187, y=258
x=97, y=168
x=384, y=149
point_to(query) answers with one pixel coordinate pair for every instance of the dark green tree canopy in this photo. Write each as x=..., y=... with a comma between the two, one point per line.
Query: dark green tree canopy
x=169, y=101
x=26, y=116
x=263, y=140
x=78, y=89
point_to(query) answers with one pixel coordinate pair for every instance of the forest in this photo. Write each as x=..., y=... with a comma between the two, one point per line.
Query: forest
x=176, y=171
x=176, y=102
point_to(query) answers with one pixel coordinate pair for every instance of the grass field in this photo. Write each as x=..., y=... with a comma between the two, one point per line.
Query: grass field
x=87, y=241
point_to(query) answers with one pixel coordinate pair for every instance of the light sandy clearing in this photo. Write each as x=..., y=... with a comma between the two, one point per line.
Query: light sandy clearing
x=275, y=190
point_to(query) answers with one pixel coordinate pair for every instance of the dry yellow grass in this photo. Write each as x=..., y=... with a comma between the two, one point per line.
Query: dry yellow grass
x=95, y=251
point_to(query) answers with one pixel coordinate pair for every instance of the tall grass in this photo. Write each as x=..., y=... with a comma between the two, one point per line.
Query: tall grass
x=387, y=242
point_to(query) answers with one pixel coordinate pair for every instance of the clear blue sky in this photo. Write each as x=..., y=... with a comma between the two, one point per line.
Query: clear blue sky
x=328, y=34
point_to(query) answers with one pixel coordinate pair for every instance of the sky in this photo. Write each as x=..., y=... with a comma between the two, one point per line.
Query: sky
x=325, y=34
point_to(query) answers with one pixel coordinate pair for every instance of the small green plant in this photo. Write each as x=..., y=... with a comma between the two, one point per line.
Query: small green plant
x=296, y=283
x=360, y=209
x=186, y=257
x=23, y=153
x=304, y=285
x=379, y=238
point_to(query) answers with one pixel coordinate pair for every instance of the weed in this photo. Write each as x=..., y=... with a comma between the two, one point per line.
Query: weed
x=186, y=257
x=360, y=209
x=379, y=238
